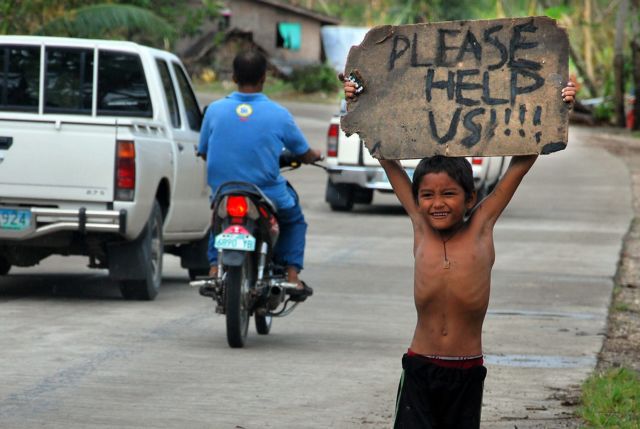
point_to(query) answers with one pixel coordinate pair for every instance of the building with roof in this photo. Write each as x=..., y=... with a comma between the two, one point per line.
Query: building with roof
x=289, y=35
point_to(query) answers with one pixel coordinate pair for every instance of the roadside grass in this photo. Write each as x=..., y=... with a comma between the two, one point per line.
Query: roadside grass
x=276, y=89
x=621, y=306
x=610, y=399
x=618, y=304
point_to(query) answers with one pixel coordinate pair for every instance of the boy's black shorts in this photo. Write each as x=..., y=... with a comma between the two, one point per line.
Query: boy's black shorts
x=432, y=396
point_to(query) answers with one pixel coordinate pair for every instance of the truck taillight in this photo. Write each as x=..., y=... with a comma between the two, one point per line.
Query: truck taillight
x=125, y=170
x=237, y=206
x=332, y=140
x=476, y=160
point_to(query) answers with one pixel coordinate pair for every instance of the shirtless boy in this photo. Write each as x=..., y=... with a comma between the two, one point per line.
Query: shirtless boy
x=443, y=373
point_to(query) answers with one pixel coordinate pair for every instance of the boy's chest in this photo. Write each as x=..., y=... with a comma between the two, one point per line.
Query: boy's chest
x=462, y=256
x=461, y=277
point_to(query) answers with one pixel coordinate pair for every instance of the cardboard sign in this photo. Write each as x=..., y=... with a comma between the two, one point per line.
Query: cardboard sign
x=460, y=88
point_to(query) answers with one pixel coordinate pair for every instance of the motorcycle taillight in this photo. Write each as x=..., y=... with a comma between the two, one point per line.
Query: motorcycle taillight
x=237, y=206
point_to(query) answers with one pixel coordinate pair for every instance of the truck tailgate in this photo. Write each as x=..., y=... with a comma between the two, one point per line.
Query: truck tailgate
x=371, y=161
x=353, y=152
x=62, y=161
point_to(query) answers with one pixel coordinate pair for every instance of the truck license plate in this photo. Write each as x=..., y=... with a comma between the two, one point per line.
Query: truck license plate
x=15, y=219
x=235, y=242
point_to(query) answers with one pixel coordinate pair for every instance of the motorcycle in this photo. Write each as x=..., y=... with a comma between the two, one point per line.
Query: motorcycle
x=248, y=283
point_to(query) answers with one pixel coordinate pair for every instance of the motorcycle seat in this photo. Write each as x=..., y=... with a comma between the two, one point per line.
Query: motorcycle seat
x=247, y=189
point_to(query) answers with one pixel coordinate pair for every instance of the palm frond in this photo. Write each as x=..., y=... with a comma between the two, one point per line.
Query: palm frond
x=102, y=20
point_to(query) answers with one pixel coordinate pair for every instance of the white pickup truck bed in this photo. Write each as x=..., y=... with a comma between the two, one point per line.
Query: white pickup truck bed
x=98, y=143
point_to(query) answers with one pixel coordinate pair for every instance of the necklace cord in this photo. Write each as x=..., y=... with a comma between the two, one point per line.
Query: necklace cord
x=444, y=246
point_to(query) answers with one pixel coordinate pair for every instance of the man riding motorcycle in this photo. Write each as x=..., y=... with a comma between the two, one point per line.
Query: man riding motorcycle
x=242, y=138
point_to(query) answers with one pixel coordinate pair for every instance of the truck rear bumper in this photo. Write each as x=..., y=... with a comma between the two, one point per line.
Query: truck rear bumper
x=364, y=177
x=49, y=220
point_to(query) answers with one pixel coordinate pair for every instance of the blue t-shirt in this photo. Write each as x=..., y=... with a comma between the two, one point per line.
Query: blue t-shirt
x=243, y=136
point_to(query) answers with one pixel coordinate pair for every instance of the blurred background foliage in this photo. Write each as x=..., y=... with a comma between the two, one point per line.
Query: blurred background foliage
x=153, y=22
x=604, y=34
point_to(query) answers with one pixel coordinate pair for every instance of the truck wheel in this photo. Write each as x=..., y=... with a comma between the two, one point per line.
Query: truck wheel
x=193, y=257
x=152, y=247
x=340, y=197
x=5, y=266
x=363, y=195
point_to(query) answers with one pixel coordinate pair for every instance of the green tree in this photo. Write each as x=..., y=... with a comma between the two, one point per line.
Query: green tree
x=157, y=22
x=182, y=15
x=377, y=12
x=618, y=63
x=635, y=60
x=109, y=21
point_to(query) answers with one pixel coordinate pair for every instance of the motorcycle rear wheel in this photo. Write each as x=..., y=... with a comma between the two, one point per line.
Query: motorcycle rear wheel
x=237, y=303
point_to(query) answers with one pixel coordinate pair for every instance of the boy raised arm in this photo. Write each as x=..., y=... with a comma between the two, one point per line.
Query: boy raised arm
x=492, y=206
x=401, y=185
x=396, y=174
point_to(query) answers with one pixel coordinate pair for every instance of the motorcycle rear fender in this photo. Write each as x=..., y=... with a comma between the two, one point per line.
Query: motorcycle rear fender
x=233, y=258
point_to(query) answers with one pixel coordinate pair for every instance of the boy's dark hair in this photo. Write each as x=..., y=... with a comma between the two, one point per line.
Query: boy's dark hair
x=249, y=67
x=458, y=168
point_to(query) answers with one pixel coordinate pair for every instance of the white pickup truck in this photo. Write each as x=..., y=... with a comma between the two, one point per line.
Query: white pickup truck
x=98, y=143
x=354, y=174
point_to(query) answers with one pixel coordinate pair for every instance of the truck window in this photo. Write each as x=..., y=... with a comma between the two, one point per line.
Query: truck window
x=170, y=93
x=68, y=80
x=194, y=115
x=19, y=78
x=122, y=86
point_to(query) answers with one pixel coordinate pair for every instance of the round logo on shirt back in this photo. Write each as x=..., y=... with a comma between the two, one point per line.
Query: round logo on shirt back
x=244, y=110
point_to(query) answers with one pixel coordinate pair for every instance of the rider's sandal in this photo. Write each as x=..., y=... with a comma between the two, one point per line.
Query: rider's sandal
x=300, y=294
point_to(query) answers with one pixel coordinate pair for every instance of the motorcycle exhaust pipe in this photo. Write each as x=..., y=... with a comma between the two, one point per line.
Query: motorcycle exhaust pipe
x=276, y=296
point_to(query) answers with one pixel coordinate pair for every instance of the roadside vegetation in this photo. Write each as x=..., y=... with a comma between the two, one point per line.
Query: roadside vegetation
x=610, y=399
x=316, y=84
x=604, y=35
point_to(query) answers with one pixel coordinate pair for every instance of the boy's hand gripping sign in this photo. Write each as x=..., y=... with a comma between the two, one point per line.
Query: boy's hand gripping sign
x=462, y=88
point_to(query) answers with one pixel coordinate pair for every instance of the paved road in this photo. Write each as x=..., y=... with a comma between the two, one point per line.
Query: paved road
x=75, y=355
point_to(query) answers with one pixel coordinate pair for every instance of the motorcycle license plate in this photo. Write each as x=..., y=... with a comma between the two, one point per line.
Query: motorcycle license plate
x=15, y=219
x=227, y=241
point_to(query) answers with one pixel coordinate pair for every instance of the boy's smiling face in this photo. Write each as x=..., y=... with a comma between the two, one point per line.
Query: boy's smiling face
x=442, y=201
